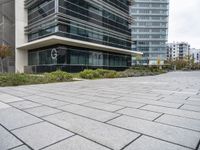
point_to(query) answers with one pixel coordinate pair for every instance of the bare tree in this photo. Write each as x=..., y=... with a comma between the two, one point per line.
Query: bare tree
x=5, y=51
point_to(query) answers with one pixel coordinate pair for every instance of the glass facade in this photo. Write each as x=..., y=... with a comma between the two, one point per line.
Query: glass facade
x=150, y=29
x=79, y=19
x=75, y=56
x=103, y=22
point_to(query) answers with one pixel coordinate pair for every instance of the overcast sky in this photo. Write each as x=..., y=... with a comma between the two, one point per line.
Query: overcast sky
x=184, y=22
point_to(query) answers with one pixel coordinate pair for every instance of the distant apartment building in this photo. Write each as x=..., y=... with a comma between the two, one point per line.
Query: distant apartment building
x=177, y=50
x=150, y=29
x=195, y=54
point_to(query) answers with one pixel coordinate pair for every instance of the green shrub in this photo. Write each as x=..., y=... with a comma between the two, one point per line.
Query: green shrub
x=146, y=71
x=111, y=74
x=58, y=76
x=98, y=73
x=11, y=79
x=89, y=74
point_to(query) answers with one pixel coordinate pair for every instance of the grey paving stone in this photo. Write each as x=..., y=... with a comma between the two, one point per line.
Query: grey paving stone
x=3, y=106
x=103, y=106
x=194, y=98
x=139, y=113
x=89, y=112
x=168, y=133
x=148, y=143
x=177, y=101
x=152, y=102
x=104, y=134
x=180, y=122
x=98, y=99
x=42, y=111
x=76, y=143
x=23, y=147
x=72, y=100
x=6, y=98
x=190, y=107
x=171, y=111
x=7, y=140
x=41, y=135
x=24, y=104
x=12, y=118
x=128, y=104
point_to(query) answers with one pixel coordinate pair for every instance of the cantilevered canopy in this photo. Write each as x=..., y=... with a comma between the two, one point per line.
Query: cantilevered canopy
x=53, y=40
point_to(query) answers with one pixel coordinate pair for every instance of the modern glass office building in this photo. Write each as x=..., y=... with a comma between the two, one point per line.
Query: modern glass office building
x=150, y=30
x=72, y=35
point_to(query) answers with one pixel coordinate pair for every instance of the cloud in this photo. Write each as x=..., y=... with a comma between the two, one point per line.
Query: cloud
x=184, y=21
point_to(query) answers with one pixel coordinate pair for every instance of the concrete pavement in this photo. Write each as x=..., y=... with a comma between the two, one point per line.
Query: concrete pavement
x=145, y=113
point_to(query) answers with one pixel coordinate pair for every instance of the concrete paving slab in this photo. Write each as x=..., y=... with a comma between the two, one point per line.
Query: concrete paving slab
x=128, y=104
x=76, y=143
x=103, y=106
x=168, y=133
x=23, y=147
x=12, y=118
x=24, y=104
x=152, y=102
x=3, y=106
x=7, y=140
x=148, y=143
x=102, y=133
x=6, y=98
x=180, y=122
x=89, y=112
x=42, y=135
x=171, y=111
x=139, y=113
x=190, y=107
x=42, y=111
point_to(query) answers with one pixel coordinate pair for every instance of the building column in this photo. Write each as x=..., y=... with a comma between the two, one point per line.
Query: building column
x=21, y=56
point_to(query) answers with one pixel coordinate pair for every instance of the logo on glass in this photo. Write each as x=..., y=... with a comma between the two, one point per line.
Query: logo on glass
x=54, y=53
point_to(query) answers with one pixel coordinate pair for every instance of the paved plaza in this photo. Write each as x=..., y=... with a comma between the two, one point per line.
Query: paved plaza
x=144, y=113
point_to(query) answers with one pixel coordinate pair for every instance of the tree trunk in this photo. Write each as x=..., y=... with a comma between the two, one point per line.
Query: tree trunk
x=2, y=65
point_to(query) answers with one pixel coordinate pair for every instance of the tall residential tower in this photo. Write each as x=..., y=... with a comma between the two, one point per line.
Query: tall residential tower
x=150, y=29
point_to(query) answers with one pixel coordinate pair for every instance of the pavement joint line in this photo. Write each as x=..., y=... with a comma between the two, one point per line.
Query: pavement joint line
x=142, y=106
x=172, y=114
x=119, y=115
x=52, y=114
x=16, y=147
x=42, y=105
x=198, y=145
x=99, y=108
x=132, y=142
x=159, y=99
x=70, y=130
x=177, y=126
x=57, y=142
x=181, y=106
x=26, y=126
x=158, y=117
x=152, y=136
x=16, y=137
x=187, y=97
x=116, y=111
x=153, y=104
x=114, y=102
